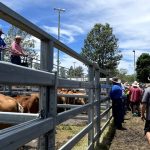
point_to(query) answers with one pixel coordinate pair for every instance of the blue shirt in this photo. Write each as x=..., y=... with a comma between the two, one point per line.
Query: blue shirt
x=116, y=92
x=2, y=43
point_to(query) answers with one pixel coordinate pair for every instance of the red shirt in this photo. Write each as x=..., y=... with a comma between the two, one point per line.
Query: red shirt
x=135, y=94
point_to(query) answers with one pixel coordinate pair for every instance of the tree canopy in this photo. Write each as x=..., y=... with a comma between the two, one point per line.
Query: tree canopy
x=62, y=72
x=75, y=72
x=101, y=47
x=143, y=67
x=122, y=74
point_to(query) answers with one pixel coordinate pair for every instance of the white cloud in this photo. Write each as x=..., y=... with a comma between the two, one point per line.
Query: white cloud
x=126, y=65
x=121, y=15
x=67, y=32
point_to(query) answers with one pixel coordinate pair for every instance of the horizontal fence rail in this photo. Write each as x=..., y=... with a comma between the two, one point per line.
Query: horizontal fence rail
x=14, y=74
x=24, y=133
x=15, y=118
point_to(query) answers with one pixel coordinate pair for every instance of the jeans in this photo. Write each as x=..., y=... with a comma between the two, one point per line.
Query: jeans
x=118, y=112
x=16, y=59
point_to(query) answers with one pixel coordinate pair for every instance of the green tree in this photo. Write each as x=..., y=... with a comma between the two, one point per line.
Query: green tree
x=129, y=78
x=62, y=72
x=73, y=73
x=101, y=46
x=70, y=72
x=122, y=74
x=143, y=67
x=27, y=43
x=79, y=72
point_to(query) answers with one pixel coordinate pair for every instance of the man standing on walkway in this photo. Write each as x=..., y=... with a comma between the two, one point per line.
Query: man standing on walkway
x=145, y=107
x=17, y=51
x=117, y=103
x=135, y=94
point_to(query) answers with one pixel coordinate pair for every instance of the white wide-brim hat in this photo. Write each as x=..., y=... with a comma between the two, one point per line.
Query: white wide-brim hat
x=115, y=80
x=18, y=37
x=135, y=83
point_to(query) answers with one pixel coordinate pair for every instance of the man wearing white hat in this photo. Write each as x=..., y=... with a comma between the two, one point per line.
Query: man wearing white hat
x=2, y=44
x=135, y=94
x=17, y=51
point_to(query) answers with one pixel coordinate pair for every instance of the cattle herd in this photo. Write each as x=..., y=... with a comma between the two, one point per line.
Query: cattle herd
x=30, y=103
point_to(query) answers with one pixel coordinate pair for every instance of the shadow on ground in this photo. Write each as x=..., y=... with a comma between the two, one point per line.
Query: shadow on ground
x=107, y=139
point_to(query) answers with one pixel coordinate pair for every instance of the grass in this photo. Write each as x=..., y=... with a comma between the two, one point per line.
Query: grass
x=106, y=138
x=66, y=132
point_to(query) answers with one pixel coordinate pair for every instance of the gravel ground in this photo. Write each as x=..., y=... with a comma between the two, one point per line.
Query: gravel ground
x=131, y=139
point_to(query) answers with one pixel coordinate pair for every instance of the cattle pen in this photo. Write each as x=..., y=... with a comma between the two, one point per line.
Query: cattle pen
x=43, y=125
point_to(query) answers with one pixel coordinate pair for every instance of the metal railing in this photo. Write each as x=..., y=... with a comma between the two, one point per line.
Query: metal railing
x=43, y=125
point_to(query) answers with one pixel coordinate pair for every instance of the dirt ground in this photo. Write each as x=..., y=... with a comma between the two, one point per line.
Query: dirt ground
x=131, y=139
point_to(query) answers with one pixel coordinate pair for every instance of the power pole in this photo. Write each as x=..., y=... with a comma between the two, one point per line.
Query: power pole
x=134, y=66
x=59, y=10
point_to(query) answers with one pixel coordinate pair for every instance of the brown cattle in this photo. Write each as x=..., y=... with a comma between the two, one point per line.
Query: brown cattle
x=29, y=103
x=61, y=99
x=76, y=100
x=72, y=100
x=9, y=104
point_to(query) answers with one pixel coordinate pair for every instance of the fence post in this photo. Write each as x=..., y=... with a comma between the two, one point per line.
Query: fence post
x=97, y=98
x=31, y=62
x=91, y=109
x=47, y=96
x=10, y=90
x=2, y=54
x=108, y=102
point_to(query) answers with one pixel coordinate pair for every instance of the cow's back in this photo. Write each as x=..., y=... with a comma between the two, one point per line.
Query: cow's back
x=8, y=104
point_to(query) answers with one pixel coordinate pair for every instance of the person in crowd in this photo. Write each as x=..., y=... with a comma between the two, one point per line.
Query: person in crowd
x=117, y=103
x=17, y=51
x=135, y=98
x=2, y=44
x=145, y=108
x=124, y=98
x=126, y=92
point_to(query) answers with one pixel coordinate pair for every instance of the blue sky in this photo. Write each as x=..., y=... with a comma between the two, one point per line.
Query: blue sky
x=130, y=20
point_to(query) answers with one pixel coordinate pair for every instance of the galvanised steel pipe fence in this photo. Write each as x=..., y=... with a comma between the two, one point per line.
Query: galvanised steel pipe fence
x=43, y=124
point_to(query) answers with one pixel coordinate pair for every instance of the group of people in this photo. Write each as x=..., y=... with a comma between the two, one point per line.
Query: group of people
x=130, y=97
x=15, y=49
